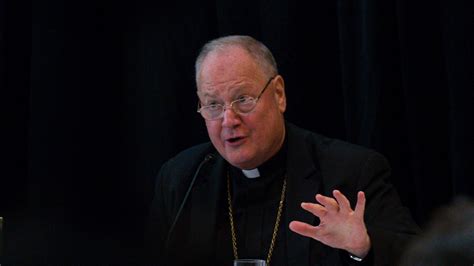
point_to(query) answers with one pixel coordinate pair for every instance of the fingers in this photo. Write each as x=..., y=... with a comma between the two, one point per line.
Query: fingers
x=360, y=206
x=341, y=203
x=344, y=203
x=303, y=229
x=336, y=204
x=330, y=203
x=315, y=209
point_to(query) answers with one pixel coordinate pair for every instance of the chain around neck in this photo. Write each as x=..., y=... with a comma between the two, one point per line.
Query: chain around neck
x=275, y=229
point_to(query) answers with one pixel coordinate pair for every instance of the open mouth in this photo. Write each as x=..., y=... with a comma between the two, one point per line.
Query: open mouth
x=234, y=140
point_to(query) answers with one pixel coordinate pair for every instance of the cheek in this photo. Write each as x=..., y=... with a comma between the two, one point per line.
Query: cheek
x=214, y=131
x=257, y=128
x=266, y=124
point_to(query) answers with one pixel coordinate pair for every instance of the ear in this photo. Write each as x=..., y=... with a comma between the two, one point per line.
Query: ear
x=280, y=96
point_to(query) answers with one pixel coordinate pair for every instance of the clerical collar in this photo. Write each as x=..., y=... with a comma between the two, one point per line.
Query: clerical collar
x=252, y=173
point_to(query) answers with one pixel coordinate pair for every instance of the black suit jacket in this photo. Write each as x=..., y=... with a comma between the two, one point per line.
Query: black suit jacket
x=315, y=164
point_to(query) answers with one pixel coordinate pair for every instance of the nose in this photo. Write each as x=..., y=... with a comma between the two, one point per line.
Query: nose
x=230, y=118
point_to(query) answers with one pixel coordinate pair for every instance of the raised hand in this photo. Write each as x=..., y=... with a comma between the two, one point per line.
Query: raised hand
x=340, y=226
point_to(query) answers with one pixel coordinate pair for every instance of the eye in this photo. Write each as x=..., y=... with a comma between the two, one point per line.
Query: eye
x=213, y=106
x=245, y=99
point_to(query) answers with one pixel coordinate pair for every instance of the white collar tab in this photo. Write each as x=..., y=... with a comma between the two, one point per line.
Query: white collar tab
x=253, y=173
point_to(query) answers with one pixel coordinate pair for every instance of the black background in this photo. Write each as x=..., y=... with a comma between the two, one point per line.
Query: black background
x=98, y=94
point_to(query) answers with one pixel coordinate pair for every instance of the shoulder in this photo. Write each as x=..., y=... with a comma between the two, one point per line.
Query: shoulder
x=189, y=158
x=332, y=152
x=326, y=144
x=192, y=155
x=184, y=163
x=340, y=164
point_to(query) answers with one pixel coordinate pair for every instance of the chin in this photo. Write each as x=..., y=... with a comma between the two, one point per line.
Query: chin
x=240, y=162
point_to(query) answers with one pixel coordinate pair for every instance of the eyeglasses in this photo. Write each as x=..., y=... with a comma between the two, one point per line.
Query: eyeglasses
x=243, y=105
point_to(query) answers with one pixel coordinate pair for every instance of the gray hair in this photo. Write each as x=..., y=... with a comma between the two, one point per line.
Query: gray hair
x=257, y=50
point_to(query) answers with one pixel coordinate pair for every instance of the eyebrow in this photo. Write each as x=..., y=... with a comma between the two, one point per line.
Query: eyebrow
x=238, y=90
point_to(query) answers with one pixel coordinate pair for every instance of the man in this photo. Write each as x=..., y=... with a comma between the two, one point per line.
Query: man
x=266, y=189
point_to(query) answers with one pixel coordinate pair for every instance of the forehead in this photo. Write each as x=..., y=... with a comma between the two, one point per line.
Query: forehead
x=227, y=90
x=232, y=65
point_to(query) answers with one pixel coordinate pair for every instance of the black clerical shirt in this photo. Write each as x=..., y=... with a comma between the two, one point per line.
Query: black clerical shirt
x=255, y=204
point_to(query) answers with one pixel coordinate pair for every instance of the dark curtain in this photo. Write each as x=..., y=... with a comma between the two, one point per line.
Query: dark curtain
x=98, y=94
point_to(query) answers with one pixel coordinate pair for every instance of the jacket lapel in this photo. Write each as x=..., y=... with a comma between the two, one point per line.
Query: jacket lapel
x=303, y=183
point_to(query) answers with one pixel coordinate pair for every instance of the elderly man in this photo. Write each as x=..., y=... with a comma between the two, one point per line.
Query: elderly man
x=266, y=189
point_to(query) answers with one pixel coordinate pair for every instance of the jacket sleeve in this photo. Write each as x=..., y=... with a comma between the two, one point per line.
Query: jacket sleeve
x=389, y=224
